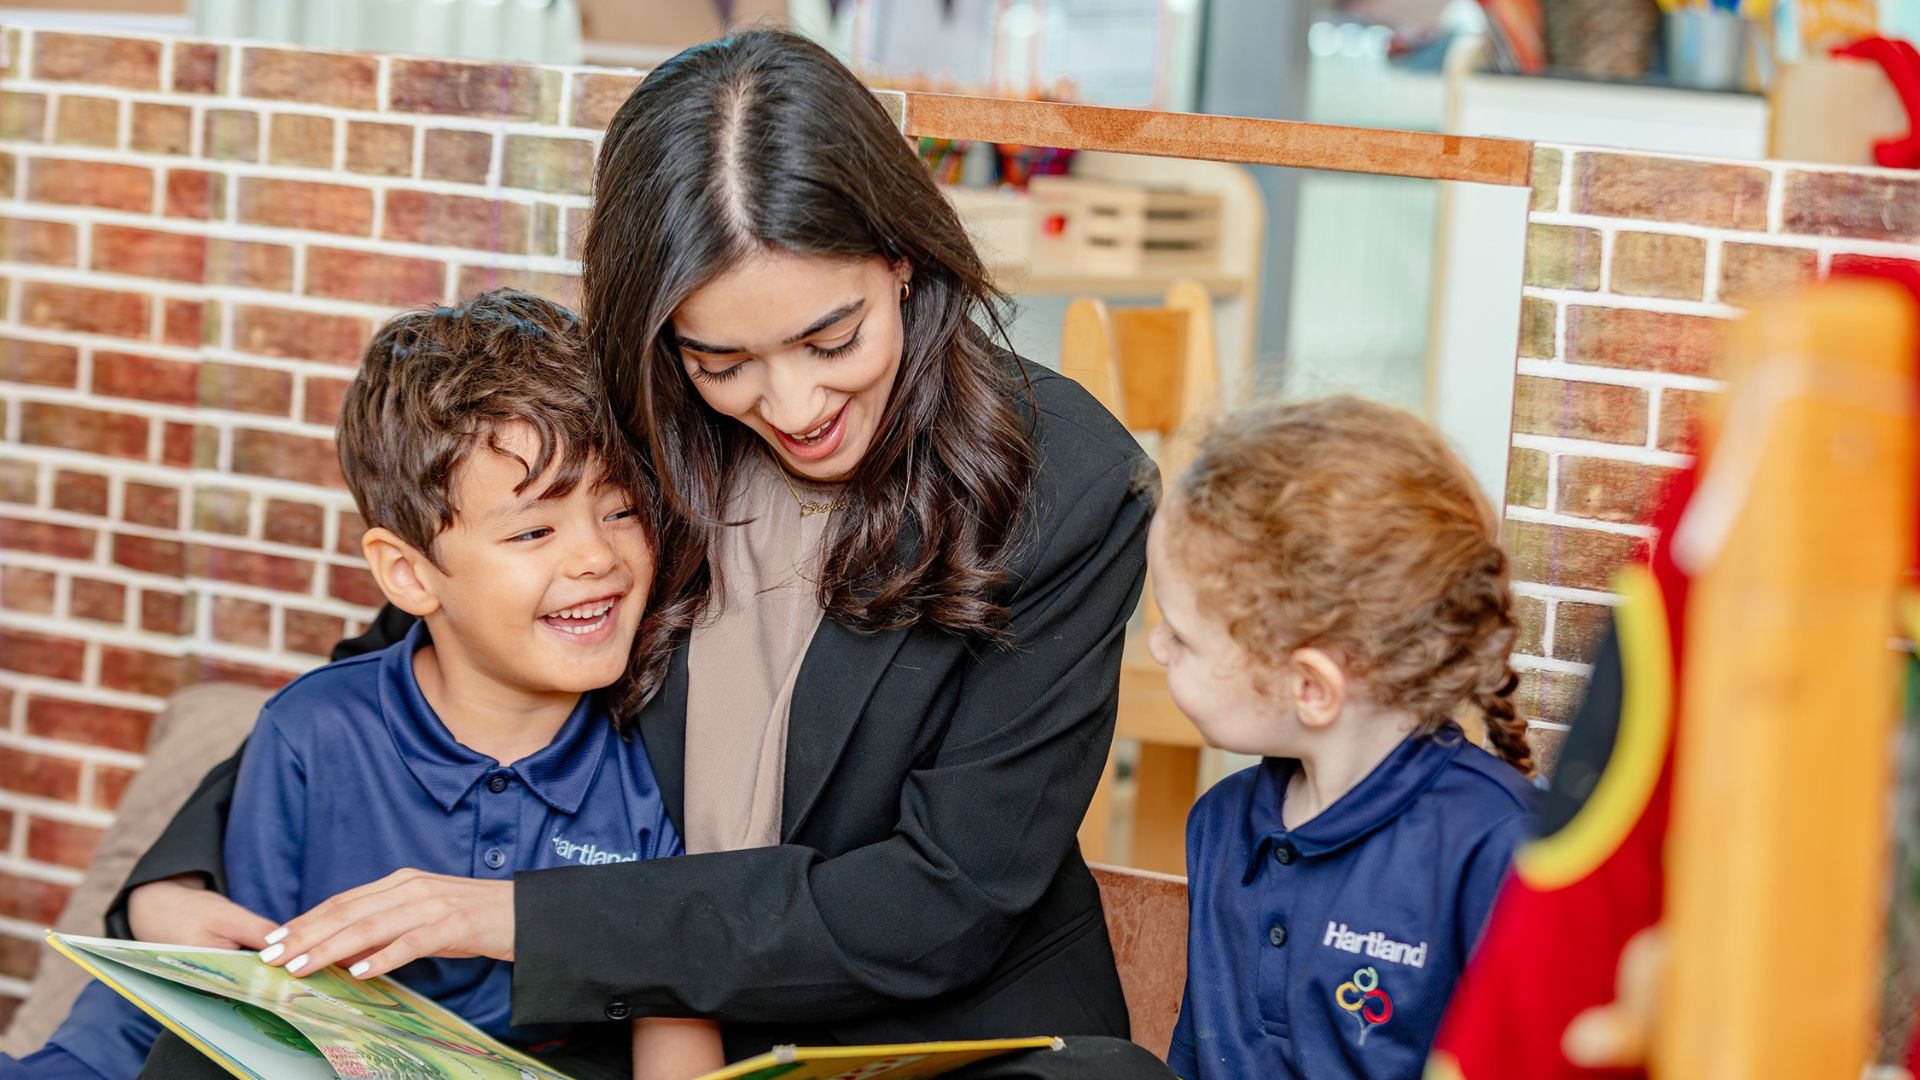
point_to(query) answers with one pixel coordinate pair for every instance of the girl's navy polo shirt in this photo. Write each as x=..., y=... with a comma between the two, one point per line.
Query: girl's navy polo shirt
x=1330, y=950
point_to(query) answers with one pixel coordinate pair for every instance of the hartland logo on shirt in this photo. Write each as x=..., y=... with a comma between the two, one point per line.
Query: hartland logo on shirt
x=589, y=854
x=1377, y=945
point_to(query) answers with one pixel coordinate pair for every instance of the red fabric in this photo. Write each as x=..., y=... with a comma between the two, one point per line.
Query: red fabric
x=1901, y=62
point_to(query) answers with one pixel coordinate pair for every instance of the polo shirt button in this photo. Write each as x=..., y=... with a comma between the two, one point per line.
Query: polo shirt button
x=495, y=858
x=1277, y=934
x=1283, y=854
x=617, y=1009
x=498, y=784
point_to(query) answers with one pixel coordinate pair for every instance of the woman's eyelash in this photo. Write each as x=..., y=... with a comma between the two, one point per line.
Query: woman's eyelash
x=841, y=349
x=715, y=376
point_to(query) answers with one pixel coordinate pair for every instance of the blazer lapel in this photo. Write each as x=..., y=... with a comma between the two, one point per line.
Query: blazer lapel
x=663, y=728
x=836, y=679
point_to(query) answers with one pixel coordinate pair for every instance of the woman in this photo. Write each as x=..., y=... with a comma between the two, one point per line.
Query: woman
x=878, y=673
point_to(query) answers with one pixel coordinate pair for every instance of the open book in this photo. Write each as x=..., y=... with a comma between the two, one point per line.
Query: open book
x=260, y=1022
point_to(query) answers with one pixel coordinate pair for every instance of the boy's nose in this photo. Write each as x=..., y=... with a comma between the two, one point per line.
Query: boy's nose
x=593, y=557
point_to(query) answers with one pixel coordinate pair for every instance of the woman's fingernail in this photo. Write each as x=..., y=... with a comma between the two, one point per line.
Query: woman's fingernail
x=294, y=965
x=360, y=968
x=274, y=938
x=272, y=953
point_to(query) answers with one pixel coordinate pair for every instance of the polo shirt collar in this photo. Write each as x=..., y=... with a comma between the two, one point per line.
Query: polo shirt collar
x=559, y=773
x=1374, y=802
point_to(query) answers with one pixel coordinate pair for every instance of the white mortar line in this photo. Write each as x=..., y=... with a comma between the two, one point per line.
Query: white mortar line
x=1612, y=376
x=1626, y=452
x=1565, y=520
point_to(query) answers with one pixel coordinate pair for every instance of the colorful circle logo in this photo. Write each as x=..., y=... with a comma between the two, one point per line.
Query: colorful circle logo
x=1362, y=997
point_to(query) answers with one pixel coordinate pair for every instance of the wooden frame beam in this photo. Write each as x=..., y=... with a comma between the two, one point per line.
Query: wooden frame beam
x=1289, y=143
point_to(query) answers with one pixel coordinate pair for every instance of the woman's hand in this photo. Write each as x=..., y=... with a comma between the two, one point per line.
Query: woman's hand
x=402, y=917
x=183, y=911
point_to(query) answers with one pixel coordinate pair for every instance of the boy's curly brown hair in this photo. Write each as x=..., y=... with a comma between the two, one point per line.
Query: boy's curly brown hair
x=1350, y=526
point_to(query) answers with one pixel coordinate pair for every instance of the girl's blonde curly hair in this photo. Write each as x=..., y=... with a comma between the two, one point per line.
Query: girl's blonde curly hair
x=1350, y=526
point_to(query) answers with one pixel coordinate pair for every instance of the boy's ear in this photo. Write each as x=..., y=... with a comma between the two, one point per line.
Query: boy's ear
x=1319, y=686
x=401, y=571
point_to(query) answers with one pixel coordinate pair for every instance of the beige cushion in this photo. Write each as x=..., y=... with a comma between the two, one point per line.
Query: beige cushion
x=200, y=727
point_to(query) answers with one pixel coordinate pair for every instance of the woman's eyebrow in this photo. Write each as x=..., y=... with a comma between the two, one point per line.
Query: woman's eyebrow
x=819, y=324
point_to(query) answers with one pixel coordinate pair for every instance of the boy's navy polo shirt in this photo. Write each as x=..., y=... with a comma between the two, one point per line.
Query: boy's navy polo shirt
x=349, y=775
x=1330, y=950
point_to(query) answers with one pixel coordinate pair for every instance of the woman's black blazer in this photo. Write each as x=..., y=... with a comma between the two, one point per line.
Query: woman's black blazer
x=929, y=886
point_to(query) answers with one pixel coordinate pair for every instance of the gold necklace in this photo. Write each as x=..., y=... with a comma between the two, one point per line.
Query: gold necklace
x=808, y=509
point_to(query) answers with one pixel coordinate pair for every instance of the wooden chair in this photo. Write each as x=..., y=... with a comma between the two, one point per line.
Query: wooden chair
x=1147, y=921
x=1155, y=369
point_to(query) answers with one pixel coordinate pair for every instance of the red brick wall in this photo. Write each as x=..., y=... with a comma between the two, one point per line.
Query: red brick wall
x=196, y=241
x=1633, y=261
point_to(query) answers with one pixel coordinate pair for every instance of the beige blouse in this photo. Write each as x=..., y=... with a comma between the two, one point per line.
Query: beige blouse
x=742, y=662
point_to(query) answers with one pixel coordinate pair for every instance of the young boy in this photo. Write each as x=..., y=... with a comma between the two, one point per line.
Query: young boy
x=498, y=502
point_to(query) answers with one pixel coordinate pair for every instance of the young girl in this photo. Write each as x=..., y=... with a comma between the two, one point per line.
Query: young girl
x=1333, y=597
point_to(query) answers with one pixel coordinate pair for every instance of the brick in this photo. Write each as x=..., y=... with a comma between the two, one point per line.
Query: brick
x=1580, y=410
x=129, y=63
x=341, y=80
x=244, y=388
x=347, y=536
x=137, y=671
x=42, y=654
x=194, y=193
x=87, y=121
x=296, y=139
x=1549, y=695
x=31, y=899
x=598, y=95
x=1562, y=555
x=249, y=265
x=61, y=843
x=46, y=538
x=286, y=457
x=1659, y=264
x=1563, y=257
x=380, y=149
x=91, y=431
x=1537, y=319
x=574, y=243
x=38, y=363
x=299, y=204
x=545, y=163
x=147, y=378
x=26, y=589
x=197, y=67
x=242, y=622
x=19, y=957
x=231, y=135
x=460, y=156
x=150, y=253
x=1643, y=340
x=150, y=555
x=162, y=129
x=23, y=117
x=1667, y=189
x=92, y=311
x=25, y=240
x=1546, y=744
x=99, y=601
x=9, y=169
x=354, y=585
x=90, y=183
x=300, y=335
x=81, y=492
x=548, y=237
x=297, y=524
x=1578, y=629
x=1609, y=490
x=1547, y=167
x=456, y=221
x=1680, y=412
x=323, y=398
x=312, y=633
x=110, y=785
x=188, y=323
x=163, y=612
x=1530, y=625
x=560, y=288
x=378, y=279
x=1864, y=206
x=250, y=568
x=155, y=505
x=19, y=481
x=1527, y=478
x=216, y=670
x=462, y=88
x=222, y=510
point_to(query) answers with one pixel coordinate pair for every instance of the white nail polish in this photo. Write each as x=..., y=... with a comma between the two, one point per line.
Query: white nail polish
x=294, y=965
x=274, y=938
x=272, y=953
x=360, y=968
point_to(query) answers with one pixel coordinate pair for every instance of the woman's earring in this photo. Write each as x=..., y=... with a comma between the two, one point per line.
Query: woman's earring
x=905, y=288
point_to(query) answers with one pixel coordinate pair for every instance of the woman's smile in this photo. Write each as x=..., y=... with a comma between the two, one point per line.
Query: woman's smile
x=819, y=443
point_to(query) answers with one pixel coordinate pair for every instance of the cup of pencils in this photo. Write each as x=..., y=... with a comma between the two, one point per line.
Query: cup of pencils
x=1707, y=43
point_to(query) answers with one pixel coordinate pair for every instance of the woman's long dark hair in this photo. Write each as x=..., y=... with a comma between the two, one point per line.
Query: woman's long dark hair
x=763, y=141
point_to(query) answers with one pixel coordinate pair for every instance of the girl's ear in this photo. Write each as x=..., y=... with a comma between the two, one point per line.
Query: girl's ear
x=404, y=574
x=1319, y=686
